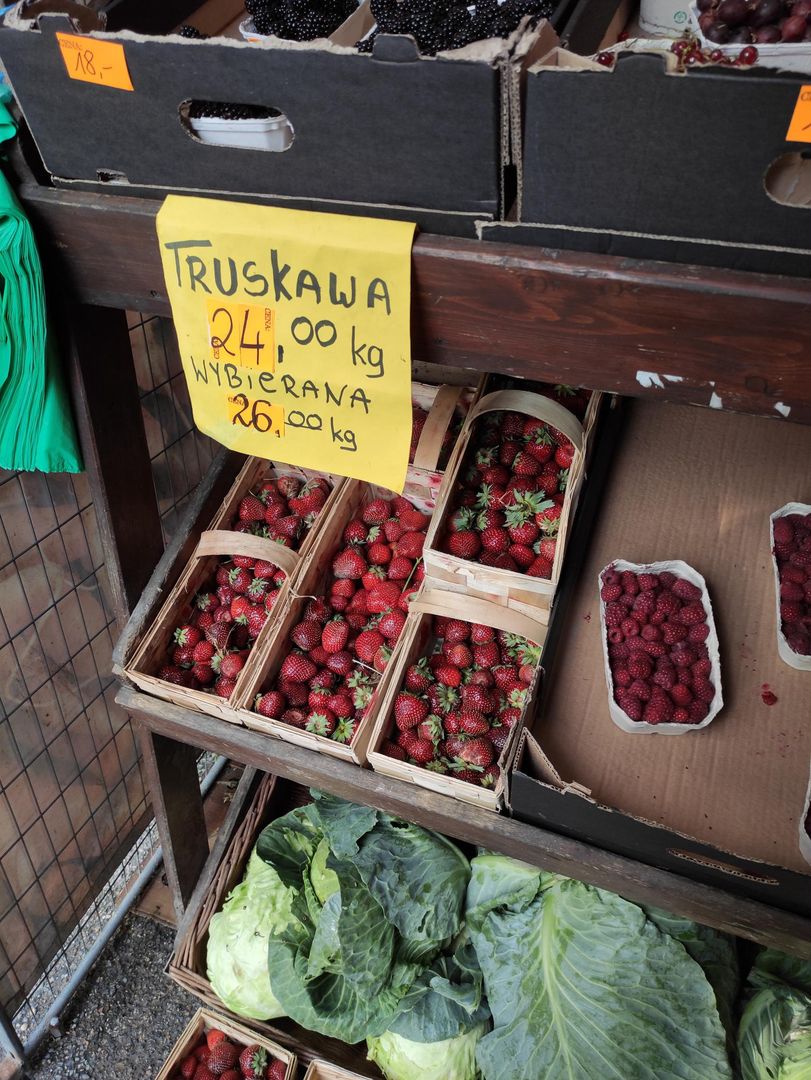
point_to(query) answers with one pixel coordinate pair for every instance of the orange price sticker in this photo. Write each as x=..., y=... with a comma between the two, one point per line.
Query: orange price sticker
x=243, y=334
x=92, y=60
x=257, y=414
x=799, y=130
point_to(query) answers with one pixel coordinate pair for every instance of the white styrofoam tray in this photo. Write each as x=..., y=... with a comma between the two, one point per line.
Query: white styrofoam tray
x=786, y=653
x=618, y=715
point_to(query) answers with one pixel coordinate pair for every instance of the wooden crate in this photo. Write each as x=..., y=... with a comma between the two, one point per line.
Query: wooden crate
x=205, y=1020
x=325, y=1070
x=313, y=581
x=178, y=607
x=416, y=641
x=444, y=403
x=259, y=799
x=508, y=587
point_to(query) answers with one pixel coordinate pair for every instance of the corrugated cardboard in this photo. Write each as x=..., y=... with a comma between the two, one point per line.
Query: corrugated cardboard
x=700, y=486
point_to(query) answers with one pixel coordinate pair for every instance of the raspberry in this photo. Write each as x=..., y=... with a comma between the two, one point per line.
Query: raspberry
x=620, y=651
x=698, y=711
x=610, y=593
x=667, y=604
x=651, y=633
x=667, y=580
x=640, y=665
x=629, y=627
x=791, y=590
x=698, y=633
x=702, y=669
x=644, y=606
x=704, y=690
x=655, y=648
x=615, y=635
x=636, y=644
x=799, y=642
x=639, y=689
x=792, y=573
x=630, y=706
x=681, y=716
x=611, y=577
x=685, y=590
x=807, y=592
x=683, y=657
x=790, y=612
x=614, y=614
x=658, y=712
x=783, y=531
x=692, y=614
x=680, y=695
x=673, y=632
x=666, y=678
x=648, y=581
x=622, y=677
x=630, y=586
x=801, y=559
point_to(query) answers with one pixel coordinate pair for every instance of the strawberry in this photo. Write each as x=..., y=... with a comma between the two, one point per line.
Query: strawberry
x=400, y=568
x=376, y=512
x=340, y=662
x=477, y=751
x=310, y=500
x=253, y=1062
x=317, y=698
x=410, y=545
x=257, y=617
x=294, y=717
x=393, y=750
x=448, y=675
x=297, y=667
x=381, y=658
x=187, y=636
x=409, y=710
x=321, y=722
x=335, y=635
x=479, y=698
x=487, y=655
x=306, y=634
x=355, y=532
x=349, y=563
x=173, y=674
x=464, y=545
x=472, y=722
x=224, y=687
x=459, y=655
x=343, y=587
x=188, y=1067
x=202, y=1073
x=453, y=630
x=366, y=645
x=541, y=568
x=340, y=704
x=378, y=553
x=224, y=1055
x=420, y=750
x=344, y=732
x=413, y=520
x=383, y=596
x=564, y=455
x=251, y=509
x=391, y=625
x=418, y=677
x=546, y=548
x=271, y=704
x=495, y=540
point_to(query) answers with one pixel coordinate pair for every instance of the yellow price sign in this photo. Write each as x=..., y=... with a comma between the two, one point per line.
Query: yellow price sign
x=242, y=333
x=95, y=61
x=294, y=331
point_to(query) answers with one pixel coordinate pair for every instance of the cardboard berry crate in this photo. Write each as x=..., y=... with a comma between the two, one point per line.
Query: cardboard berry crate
x=508, y=587
x=253, y=473
x=205, y=1020
x=324, y=1070
x=417, y=640
x=787, y=654
x=152, y=651
x=618, y=715
x=445, y=404
x=313, y=581
x=260, y=798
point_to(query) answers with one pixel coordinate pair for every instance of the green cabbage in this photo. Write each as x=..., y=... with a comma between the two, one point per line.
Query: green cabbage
x=774, y=1037
x=399, y=1058
x=583, y=986
x=237, y=958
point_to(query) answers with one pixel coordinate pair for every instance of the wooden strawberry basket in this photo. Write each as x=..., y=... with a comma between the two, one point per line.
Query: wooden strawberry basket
x=154, y=647
x=312, y=582
x=444, y=404
x=205, y=1020
x=417, y=640
x=250, y=477
x=324, y=1070
x=510, y=588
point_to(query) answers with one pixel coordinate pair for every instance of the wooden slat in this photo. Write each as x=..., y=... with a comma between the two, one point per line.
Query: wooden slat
x=742, y=340
x=638, y=882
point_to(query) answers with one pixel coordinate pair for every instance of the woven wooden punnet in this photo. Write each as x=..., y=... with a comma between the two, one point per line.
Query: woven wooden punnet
x=151, y=653
x=417, y=641
x=443, y=404
x=324, y=1070
x=205, y=1020
x=312, y=581
x=508, y=587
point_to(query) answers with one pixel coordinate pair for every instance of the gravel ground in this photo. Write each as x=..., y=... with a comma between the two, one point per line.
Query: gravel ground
x=126, y=1017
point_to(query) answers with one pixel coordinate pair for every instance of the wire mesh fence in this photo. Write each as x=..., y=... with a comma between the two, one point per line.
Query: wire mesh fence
x=75, y=824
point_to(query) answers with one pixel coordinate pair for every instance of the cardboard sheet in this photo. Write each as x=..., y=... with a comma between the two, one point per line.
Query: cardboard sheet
x=697, y=485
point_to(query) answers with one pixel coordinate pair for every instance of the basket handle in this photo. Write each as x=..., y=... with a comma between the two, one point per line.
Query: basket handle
x=227, y=542
x=473, y=609
x=429, y=447
x=542, y=408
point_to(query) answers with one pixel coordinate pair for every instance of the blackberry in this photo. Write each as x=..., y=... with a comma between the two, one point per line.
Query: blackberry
x=451, y=25
x=224, y=110
x=188, y=31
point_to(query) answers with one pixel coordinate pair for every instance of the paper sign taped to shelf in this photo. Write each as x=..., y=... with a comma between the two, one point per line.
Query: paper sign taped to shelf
x=95, y=61
x=295, y=332
x=799, y=129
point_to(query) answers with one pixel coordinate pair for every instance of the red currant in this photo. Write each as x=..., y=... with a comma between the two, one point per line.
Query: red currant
x=748, y=55
x=606, y=59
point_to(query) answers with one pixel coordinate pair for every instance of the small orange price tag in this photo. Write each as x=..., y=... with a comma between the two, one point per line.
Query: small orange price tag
x=92, y=60
x=242, y=333
x=799, y=130
x=258, y=414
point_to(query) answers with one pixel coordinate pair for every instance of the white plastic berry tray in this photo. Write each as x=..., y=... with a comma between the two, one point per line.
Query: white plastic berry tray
x=786, y=653
x=787, y=56
x=805, y=838
x=618, y=715
x=272, y=133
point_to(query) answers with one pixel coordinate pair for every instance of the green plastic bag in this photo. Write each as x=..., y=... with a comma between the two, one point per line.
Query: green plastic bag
x=36, y=424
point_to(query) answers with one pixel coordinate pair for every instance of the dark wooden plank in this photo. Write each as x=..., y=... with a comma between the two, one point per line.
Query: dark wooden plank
x=111, y=430
x=737, y=340
x=171, y=773
x=201, y=508
x=636, y=881
x=240, y=802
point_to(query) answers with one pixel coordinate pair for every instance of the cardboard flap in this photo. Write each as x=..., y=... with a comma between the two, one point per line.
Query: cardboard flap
x=429, y=447
x=395, y=49
x=542, y=408
x=472, y=609
x=227, y=542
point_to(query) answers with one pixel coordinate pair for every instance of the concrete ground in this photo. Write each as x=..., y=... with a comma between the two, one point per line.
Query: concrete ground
x=127, y=1015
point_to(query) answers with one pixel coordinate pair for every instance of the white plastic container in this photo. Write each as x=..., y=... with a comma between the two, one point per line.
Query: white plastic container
x=787, y=56
x=787, y=654
x=805, y=838
x=273, y=133
x=668, y=18
x=618, y=715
